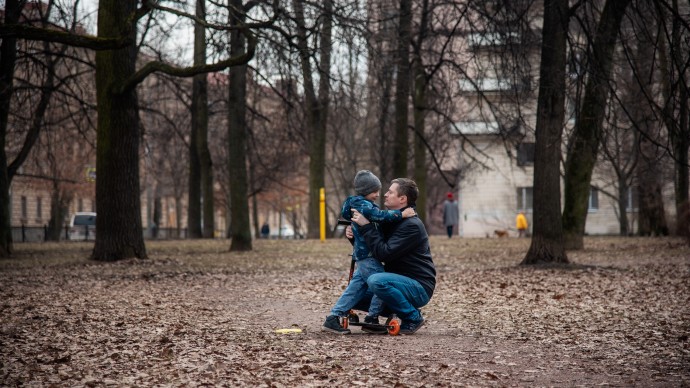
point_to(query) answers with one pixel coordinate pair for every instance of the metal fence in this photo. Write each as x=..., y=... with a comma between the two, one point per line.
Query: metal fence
x=34, y=234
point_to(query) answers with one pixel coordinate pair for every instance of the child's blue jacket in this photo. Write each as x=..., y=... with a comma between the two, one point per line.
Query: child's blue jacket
x=372, y=212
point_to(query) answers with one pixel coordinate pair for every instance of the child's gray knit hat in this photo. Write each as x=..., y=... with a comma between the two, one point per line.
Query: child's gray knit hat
x=366, y=183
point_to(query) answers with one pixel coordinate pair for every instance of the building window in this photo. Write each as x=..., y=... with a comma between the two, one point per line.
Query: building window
x=25, y=211
x=524, y=198
x=525, y=154
x=593, y=205
x=39, y=208
x=80, y=205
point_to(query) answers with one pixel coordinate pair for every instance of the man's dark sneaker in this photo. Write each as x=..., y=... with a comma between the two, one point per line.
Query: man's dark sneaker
x=410, y=327
x=332, y=323
x=373, y=330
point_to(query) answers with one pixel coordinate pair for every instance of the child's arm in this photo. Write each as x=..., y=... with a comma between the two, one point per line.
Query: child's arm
x=345, y=212
x=409, y=212
x=374, y=214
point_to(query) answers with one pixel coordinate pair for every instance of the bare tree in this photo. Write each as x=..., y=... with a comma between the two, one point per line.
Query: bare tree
x=119, y=223
x=316, y=104
x=584, y=143
x=237, y=136
x=675, y=107
x=547, y=240
x=402, y=88
x=200, y=163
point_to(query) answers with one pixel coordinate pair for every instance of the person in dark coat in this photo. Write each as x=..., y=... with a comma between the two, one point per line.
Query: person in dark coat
x=451, y=215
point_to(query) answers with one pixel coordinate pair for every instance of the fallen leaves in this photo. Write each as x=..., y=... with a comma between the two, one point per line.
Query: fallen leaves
x=196, y=314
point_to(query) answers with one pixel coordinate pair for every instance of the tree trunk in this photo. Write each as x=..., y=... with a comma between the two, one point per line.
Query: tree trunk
x=59, y=205
x=8, y=58
x=237, y=137
x=623, y=205
x=317, y=107
x=547, y=240
x=201, y=185
x=682, y=172
x=157, y=211
x=585, y=140
x=680, y=130
x=194, y=194
x=652, y=217
x=420, y=109
x=119, y=231
x=205, y=161
x=194, y=189
x=402, y=89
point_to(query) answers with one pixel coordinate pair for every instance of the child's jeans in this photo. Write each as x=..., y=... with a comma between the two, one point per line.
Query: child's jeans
x=357, y=288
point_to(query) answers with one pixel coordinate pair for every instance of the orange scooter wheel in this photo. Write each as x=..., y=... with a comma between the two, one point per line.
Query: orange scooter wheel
x=344, y=322
x=394, y=327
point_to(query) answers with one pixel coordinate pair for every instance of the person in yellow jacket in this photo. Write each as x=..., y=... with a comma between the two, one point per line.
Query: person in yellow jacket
x=521, y=224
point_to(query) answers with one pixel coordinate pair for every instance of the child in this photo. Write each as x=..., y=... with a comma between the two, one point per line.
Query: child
x=367, y=188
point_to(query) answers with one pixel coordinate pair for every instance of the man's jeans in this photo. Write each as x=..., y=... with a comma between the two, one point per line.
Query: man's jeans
x=357, y=289
x=401, y=295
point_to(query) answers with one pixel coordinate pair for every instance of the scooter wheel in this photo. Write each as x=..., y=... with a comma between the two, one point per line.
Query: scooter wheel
x=353, y=318
x=394, y=326
x=344, y=322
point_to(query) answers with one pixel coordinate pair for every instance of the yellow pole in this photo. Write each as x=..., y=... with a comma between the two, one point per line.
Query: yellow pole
x=322, y=212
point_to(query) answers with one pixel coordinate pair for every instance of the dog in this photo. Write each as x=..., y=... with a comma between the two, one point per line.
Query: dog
x=501, y=233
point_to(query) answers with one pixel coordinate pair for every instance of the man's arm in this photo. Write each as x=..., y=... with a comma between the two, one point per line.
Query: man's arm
x=404, y=239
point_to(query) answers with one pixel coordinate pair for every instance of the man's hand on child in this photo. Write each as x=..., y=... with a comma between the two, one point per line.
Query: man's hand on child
x=409, y=212
x=358, y=218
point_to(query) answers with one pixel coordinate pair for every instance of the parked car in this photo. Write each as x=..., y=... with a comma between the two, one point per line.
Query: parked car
x=285, y=231
x=82, y=226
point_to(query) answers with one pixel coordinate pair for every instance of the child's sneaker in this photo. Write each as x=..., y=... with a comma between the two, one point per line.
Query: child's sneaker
x=373, y=330
x=332, y=323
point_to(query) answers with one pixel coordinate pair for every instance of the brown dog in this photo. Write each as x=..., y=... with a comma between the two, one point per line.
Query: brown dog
x=501, y=233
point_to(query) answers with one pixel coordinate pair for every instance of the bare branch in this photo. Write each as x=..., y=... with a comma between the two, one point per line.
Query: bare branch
x=22, y=31
x=157, y=66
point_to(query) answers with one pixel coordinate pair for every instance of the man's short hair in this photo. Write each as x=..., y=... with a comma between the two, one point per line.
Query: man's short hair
x=408, y=188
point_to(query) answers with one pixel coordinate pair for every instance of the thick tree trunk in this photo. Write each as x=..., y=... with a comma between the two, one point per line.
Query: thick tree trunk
x=8, y=58
x=402, y=89
x=237, y=137
x=584, y=147
x=547, y=240
x=119, y=232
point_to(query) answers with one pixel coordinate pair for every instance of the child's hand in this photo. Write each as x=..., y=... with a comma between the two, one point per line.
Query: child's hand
x=409, y=212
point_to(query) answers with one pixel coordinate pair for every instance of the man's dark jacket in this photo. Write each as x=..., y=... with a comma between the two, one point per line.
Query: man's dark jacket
x=403, y=247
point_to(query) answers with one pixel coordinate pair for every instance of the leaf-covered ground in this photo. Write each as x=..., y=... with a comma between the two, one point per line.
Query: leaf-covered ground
x=196, y=315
